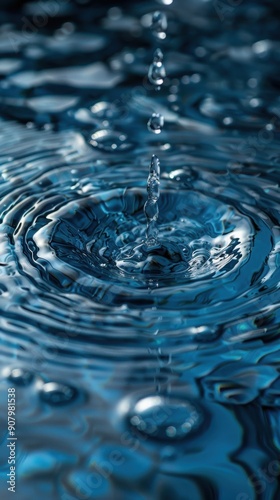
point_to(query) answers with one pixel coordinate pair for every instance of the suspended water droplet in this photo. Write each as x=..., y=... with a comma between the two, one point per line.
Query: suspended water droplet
x=55, y=393
x=159, y=24
x=157, y=72
x=20, y=376
x=165, y=418
x=156, y=123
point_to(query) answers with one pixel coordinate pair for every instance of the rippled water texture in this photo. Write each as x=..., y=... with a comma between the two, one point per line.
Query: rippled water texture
x=141, y=372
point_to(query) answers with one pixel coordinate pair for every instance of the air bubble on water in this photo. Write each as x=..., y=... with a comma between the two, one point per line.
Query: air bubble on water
x=55, y=393
x=159, y=24
x=165, y=418
x=156, y=123
x=20, y=376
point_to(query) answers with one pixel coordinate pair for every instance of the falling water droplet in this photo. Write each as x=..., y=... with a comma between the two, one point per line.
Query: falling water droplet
x=159, y=25
x=54, y=393
x=156, y=123
x=151, y=206
x=157, y=72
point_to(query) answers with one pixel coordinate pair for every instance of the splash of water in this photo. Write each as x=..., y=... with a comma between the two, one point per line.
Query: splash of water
x=151, y=206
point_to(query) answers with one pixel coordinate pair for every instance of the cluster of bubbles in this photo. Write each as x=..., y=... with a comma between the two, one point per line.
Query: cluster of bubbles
x=53, y=393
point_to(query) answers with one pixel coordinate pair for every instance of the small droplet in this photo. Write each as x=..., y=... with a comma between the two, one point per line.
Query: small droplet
x=20, y=376
x=55, y=393
x=159, y=24
x=156, y=123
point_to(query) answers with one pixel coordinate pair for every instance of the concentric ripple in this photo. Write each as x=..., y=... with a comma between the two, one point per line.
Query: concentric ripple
x=141, y=371
x=100, y=240
x=80, y=232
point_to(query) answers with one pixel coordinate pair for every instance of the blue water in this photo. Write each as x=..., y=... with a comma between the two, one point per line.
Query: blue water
x=142, y=372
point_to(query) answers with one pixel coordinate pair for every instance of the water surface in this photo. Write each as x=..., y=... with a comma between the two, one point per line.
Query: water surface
x=141, y=374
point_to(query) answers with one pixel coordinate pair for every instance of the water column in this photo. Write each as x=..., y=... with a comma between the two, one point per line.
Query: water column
x=156, y=76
